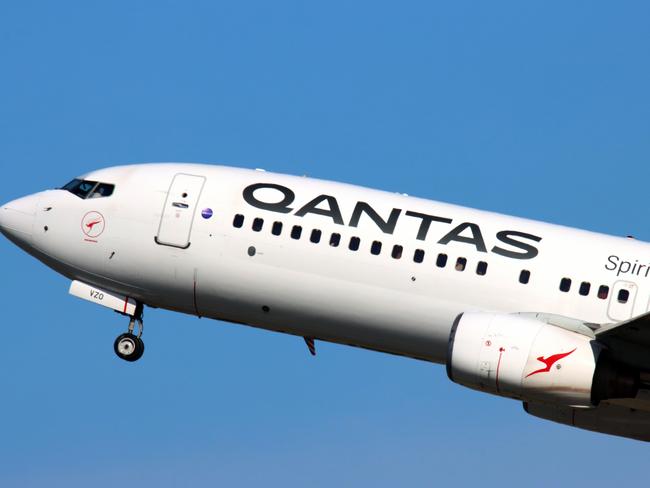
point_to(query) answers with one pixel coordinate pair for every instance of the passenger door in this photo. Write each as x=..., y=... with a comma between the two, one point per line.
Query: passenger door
x=178, y=213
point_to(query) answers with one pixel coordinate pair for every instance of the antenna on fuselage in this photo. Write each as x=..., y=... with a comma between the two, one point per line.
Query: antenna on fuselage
x=311, y=345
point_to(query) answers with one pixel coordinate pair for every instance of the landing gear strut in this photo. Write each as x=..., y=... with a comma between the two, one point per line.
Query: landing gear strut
x=129, y=346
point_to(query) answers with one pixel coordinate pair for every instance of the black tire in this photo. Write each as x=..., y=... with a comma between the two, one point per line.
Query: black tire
x=129, y=347
x=139, y=348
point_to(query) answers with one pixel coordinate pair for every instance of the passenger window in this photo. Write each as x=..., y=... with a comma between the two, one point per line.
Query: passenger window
x=375, y=248
x=603, y=292
x=623, y=296
x=276, y=230
x=461, y=263
x=296, y=232
x=354, y=243
x=481, y=268
x=585, y=288
x=258, y=224
x=524, y=277
x=315, y=236
x=441, y=262
x=418, y=256
x=565, y=285
x=397, y=252
x=238, y=222
x=335, y=240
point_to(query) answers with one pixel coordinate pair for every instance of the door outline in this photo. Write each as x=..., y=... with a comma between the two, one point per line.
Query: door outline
x=633, y=288
x=170, y=198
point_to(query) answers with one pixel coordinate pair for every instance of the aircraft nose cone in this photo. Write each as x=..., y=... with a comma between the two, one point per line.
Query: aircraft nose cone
x=17, y=219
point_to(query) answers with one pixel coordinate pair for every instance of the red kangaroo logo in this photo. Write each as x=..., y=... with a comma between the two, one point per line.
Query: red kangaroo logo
x=549, y=362
x=92, y=224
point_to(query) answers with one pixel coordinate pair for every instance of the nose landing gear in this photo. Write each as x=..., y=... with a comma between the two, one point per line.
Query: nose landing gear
x=130, y=346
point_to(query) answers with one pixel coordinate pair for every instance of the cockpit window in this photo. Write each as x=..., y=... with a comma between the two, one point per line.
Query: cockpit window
x=89, y=189
x=102, y=190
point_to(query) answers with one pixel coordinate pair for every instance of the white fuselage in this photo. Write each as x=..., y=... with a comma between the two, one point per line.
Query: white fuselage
x=384, y=300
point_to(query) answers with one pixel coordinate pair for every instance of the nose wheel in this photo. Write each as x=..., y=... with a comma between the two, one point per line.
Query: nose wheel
x=130, y=346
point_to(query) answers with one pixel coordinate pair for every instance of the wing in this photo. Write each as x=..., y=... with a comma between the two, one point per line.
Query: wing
x=625, y=418
x=629, y=341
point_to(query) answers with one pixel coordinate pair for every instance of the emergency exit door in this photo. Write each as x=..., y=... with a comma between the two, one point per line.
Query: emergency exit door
x=621, y=302
x=180, y=208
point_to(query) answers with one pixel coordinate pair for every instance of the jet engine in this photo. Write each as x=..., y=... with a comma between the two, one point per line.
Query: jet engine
x=528, y=359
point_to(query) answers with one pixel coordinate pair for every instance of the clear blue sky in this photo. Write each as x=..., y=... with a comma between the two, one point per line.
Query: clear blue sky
x=539, y=109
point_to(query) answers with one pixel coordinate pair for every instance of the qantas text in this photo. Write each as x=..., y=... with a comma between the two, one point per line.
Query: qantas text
x=518, y=243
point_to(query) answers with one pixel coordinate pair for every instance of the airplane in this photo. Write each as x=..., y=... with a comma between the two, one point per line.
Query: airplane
x=551, y=316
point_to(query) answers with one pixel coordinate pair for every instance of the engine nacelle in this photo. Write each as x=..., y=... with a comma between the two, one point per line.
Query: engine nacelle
x=527, y=359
